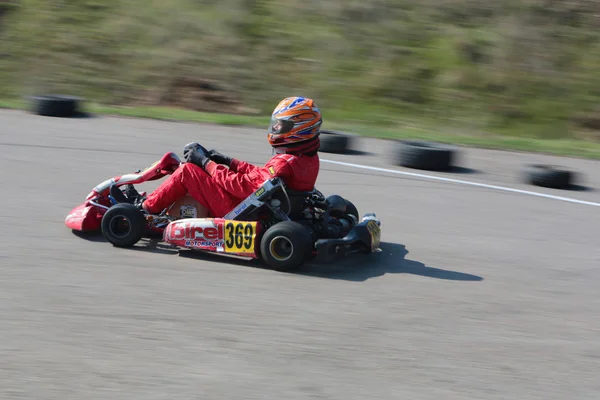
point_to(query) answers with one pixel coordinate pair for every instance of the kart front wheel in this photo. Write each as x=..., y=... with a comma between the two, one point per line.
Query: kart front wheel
x=123, y=225
x=286, y=246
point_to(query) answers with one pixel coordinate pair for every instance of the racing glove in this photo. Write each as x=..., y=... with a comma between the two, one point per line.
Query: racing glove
x=191, y=146
x=195, y=153
x=219, y=158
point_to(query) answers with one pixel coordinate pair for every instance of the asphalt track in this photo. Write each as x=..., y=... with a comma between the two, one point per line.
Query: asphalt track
x=478, y=293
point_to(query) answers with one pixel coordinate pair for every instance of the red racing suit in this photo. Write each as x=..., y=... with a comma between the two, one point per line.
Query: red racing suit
x=220, y=189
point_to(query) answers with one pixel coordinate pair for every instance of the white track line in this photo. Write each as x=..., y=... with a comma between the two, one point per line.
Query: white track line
x=483, y=185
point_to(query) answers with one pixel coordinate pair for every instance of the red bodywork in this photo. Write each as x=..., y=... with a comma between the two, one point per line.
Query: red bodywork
x=87, y=216
x=217, y=235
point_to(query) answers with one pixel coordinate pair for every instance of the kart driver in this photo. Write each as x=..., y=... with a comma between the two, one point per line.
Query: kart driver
x=220, y=183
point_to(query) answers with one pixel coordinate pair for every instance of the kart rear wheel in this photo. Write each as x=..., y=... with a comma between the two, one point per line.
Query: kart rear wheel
x=286, y=246
x=123, y=225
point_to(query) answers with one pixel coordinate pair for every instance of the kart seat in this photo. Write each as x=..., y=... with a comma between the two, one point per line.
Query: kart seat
x=270, y=190
x=128, y=197
x=298, y=200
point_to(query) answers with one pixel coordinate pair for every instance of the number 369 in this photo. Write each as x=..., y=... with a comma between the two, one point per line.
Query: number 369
x=240, y=235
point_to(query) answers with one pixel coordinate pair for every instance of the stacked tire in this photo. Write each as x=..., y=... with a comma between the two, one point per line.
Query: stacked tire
x=335, y=142
x=56, y=105
x=424, y=155
x=548, y=176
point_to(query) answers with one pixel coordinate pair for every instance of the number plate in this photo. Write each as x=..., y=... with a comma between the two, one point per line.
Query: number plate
x=240, y=237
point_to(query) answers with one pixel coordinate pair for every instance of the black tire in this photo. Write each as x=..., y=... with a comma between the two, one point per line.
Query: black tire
x=424, y=155
x=335, y=142
x=123, y=225
x=286, y=246
x=548, y=176
x=56, y=105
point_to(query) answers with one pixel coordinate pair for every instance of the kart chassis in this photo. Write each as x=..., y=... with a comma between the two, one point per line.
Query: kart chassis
x=259, y=227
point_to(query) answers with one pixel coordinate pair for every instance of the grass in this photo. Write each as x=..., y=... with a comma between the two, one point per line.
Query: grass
x=516, y=74
x=560, y=147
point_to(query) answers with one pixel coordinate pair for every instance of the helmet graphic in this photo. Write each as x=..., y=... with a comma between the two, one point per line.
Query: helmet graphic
x=294, y=120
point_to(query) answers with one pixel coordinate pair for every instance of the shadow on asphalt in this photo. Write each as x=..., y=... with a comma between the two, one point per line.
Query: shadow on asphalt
x=580, y=188
x=462, y=170
x=391, y=260
x=350, y=152
x=356, y=267
x=90, y=237
x=75, y=115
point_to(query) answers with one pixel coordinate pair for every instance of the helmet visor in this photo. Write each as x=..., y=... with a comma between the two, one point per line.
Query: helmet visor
x=280, y=126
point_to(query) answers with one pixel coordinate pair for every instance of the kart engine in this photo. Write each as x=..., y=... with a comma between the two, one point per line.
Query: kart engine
x=328, y=217
x=338, y=227
x=339, y=222
x=332, y=217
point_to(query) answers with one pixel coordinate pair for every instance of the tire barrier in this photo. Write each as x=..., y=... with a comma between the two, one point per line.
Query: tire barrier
x=415, y=154
x=549, y=176
x=424, y=155
x=56, y=105
x=335, y=142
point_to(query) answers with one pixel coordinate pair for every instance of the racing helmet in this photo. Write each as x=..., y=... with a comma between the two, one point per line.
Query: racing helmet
x=295, y=121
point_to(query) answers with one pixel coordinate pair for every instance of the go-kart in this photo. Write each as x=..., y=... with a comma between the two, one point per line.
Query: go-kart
x=281, y=227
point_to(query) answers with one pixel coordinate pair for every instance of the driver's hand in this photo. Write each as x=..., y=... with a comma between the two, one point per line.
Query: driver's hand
x=220, y=158
x=197, y=155
x=193, y=146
